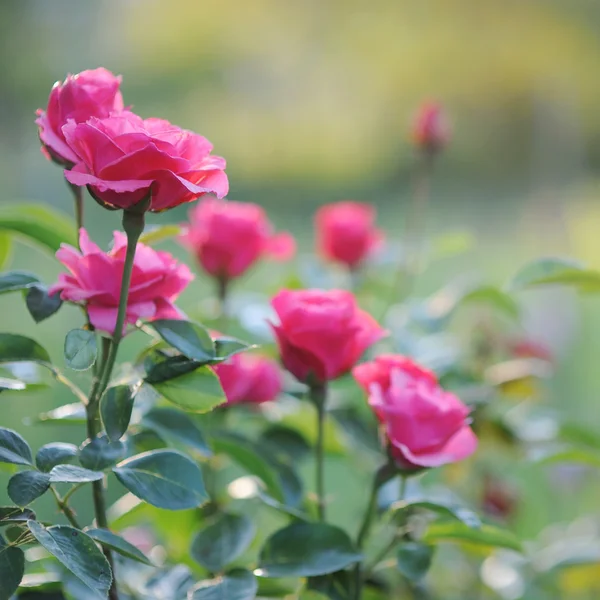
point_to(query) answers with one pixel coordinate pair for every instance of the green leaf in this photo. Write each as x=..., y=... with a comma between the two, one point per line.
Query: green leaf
x=118, y=544
x=13, y=448
x=564, y=271
x=55, y=453
x=78, y=552
x=335, y=586
x=286, y=442
x=163, y=478
x=312, y=595
x=17, y=280
x=486, y=535
x=18, y=348
x=222, y=540
x=446, y=509
x=27, y=486
x=47, y=227
x=15, y=514
x=307, y=550
x=74, y=474
x=199, y=391
x=238, y=584
x=228, y=346
x=159, y=369
x=191, y=339
x=153, y=235
x=573, y=455
x=12, y=569
x=246, y=454
x=5, y=249
x=100, y=453
x=116, y=406
x=414, y=559
x=14, y=385
x=72, y=414
x=495, y=298
x=81, y=349
x=175, y=425
x=41, y=305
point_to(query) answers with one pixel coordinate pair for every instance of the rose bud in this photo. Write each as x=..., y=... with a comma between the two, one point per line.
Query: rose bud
x=346, y=232
x=92, y=93
x=430, y=128
x=425, y=426
x=322, y=334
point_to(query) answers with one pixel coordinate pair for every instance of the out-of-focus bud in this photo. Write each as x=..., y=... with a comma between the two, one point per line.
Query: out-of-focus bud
x=430, y=128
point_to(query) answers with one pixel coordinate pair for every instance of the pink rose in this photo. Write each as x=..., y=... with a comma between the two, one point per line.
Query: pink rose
x=322, y=334
x=228, y=237
x=123, y=158
x=430, y=129
x=95, y=281
x=248, y=378
x=92, y=93
x=425, y=425
x=346, y=232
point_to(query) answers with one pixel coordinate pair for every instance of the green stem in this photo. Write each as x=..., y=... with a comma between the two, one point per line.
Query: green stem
x=78, y=196
x=318, y=395
x=65, y=508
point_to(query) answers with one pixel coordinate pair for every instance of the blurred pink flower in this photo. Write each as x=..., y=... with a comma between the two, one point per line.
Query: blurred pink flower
x=93, y=93
x=229, y=237
x=322, y=334
x=430, y=128
x=346, y=232
x=95, y=281
x=124, y=158
x=424, y=425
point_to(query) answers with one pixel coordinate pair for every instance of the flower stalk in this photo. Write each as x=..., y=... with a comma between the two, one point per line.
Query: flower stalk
x=318, y=396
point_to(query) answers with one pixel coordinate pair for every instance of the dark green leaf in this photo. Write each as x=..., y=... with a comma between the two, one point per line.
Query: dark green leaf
x=14, y=514
x=78, y=552
x=100, y=453
x=81, y=349
x=191, y=339
x=55, y=453
x=116, y=406
x=12, y=568
x=175, y=425
x=414, y=559
x=16, y=280
x=39, y=223
x=235, y=585
x=307, y=550
x=159, y=369
x=486, y=535
x=163, y=478
x=27, y=486
x=199, y=391
x=222, y=540
x=18, y=348
x=13, y=448
x=441, y=507
x=39, y=304
x=560, y=271
x=286, y=442
x=73, y=474
x=336, y=586
x=228, y=346
x=118, y=544
x=283, y=508
x=71, y=414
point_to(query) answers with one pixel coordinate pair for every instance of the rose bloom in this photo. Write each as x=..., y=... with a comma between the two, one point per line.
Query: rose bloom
x=92, y=93
x=322, y=334
x=95, y=282
x=249, y=379
x=424, y=425
x=124, y=158
x=227, y=237
x=430, y=128
x=346, y=232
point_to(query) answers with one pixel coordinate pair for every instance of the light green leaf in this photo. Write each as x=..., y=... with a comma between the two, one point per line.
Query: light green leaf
x=307, y=550
x=55, y=453
x=486, y=535
x=118, y=544
x=116, y=406
x=557, y=271
x=39, y=223
x=573, y=455
x=78, y=552
x=81, y=349
x=222, y=540
x=27, y=486
x=199, y=391
x=191, y=339
x=163, y=478
x=154, y=235
x=5, y=249
x=238, y=584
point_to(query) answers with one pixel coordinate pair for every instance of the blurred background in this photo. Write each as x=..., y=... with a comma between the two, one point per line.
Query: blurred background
x=310, y=102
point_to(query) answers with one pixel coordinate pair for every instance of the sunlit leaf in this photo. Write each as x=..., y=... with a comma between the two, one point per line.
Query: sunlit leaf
x=557, y=271
x=486, y=535
x=160, y=233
